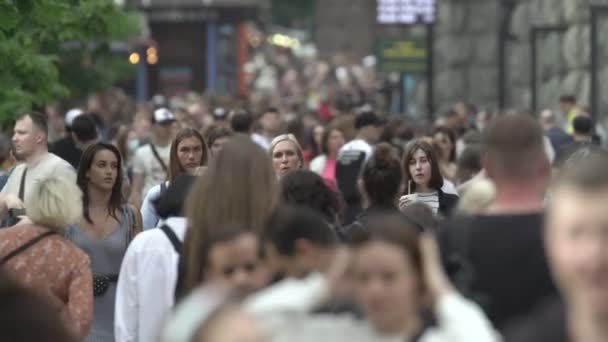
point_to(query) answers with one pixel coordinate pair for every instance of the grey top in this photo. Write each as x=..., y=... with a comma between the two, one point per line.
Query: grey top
x=106, y=257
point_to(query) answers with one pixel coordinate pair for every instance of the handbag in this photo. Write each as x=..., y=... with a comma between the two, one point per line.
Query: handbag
x=101, y=282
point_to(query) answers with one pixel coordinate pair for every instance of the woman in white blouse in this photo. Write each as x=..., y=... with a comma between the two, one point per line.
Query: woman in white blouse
x=396, y=277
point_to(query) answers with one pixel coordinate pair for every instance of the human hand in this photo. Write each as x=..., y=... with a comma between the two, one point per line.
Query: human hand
x=434, y=276
x=337, y=272
x=12, y=202
x=407, y=200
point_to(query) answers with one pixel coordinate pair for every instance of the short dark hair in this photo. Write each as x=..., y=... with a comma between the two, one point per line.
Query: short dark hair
x=436, y=181
x=583, y=125
x=307, y=189
x=84, y=128
x=241, y=122
x=38, y=119
x=382, y=176
x=171, y=202
x=511, y=139
x=214, y=133
x=272, y=110
x=567, y=98
x=288, y=224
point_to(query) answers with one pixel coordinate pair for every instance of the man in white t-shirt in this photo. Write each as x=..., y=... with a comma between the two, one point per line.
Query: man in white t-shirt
x=352, y=157
x=151, y=161
x=31, y=146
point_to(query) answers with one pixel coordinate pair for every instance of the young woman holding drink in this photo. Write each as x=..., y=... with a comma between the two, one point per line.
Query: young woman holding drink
x=424, y=180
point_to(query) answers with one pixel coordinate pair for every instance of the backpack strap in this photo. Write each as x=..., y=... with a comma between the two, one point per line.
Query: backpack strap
x=25, y=246
x=163, y=188
x=177, y=245
x=22, y=185
x=158, y=158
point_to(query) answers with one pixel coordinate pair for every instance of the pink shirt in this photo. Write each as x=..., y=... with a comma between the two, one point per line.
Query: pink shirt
x=329, y=173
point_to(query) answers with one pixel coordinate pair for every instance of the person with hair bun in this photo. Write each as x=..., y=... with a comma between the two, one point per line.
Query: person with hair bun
x=380, y=184
x=382, y=179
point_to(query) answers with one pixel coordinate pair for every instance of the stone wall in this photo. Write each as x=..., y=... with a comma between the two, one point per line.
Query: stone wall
x=467, y=52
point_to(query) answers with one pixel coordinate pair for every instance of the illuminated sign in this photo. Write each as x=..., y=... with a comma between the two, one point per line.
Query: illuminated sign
x=405, y=11
x=408, y=54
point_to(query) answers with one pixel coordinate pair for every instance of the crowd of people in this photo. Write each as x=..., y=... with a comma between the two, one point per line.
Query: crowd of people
x=193, y=224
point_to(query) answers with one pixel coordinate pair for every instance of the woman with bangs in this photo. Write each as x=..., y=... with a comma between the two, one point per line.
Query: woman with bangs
x=423, y=180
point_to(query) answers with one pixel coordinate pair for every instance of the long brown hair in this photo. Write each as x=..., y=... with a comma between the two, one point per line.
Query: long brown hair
x=175, y=167
x=238, y=190
x=436, y=181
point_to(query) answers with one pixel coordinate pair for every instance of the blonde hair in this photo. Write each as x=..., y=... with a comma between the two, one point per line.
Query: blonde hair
x=293, y=140
x=476, y=196
x=54, y=203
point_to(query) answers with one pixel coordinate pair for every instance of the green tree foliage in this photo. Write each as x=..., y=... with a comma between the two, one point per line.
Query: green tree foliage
x=52, y=49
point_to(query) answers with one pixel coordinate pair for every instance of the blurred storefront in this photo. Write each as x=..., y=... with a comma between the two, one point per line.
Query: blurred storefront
x=199, y=45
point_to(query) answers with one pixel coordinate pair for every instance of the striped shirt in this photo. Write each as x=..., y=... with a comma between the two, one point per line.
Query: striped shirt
x=431, y=199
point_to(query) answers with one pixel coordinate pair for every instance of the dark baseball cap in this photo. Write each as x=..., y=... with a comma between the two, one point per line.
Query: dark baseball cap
x=368, y=118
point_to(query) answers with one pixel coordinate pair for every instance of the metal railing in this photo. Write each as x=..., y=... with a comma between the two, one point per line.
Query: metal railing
x=535, y=32
x=597, y=12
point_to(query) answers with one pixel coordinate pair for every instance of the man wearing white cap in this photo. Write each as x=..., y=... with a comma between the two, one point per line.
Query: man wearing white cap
x=65, y=148
x=151, y=161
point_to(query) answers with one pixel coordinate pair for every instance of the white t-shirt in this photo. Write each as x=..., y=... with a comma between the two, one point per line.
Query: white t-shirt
x=261, y=140
x=146, y=164
x=358, y=145
x=148, y=274
x=49, y=166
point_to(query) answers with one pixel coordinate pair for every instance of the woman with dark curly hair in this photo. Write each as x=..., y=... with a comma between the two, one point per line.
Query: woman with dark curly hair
x=307, y=189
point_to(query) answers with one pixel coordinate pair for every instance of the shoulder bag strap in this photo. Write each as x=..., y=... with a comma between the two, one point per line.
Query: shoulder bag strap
x=131, y=221
x=158, y=158
x=177, y=245
x=25, y=246
x=22, y=185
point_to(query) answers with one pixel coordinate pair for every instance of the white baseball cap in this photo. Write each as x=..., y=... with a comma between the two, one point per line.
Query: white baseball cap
x=162, y=115
x=71, y=115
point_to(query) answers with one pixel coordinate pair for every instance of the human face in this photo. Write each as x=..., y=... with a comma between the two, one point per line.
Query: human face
x=420, y=169
x=386, y=286
x=271, y=122
x=190, y=153
x=576, y=240
x=317, y=134
x=285, y=158
x=335, y=142
x=237, y=263
x=103, y=171
x=164, y=130
x=218, y=145
x=26, y=138
x=446, y=145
